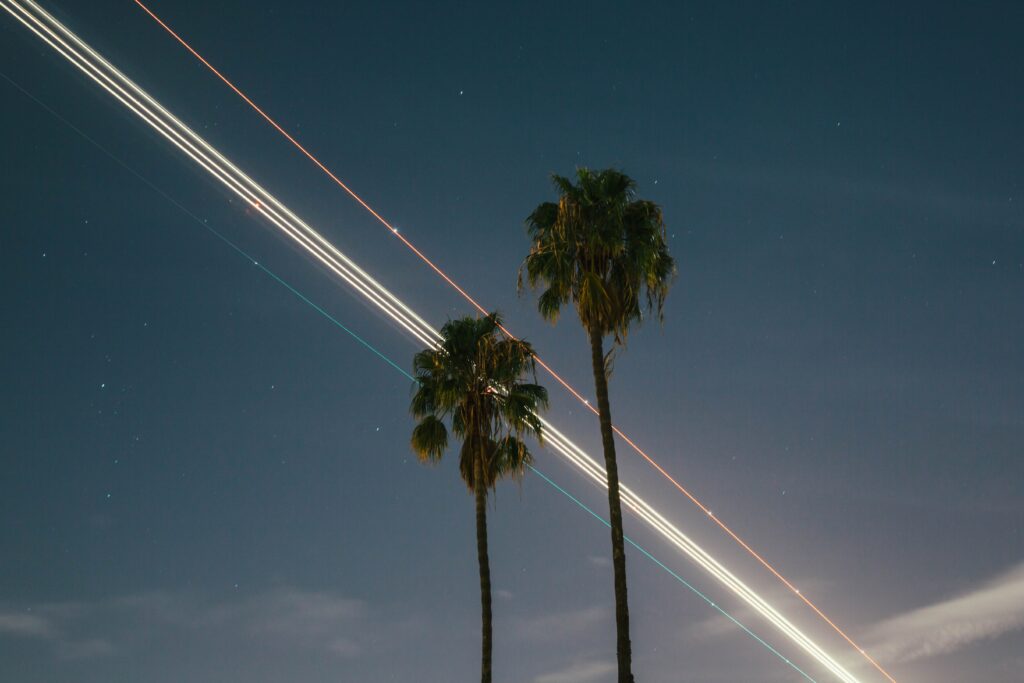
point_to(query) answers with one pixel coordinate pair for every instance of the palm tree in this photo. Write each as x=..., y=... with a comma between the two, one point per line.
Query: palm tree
x=604, y=250
x=474, y=379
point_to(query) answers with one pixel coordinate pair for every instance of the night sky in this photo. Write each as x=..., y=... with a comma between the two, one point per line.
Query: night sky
x=205, y=480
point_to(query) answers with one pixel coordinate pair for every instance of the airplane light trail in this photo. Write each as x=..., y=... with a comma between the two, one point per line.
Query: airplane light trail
x=735, y=537
x=394, y=365
x=114, y=82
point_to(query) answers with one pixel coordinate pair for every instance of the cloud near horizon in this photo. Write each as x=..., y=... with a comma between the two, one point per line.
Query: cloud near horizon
x=987, y=612
x=313, y=620
x=24, y=625
x=45, y=626
x=583, y=672
x=561, y=626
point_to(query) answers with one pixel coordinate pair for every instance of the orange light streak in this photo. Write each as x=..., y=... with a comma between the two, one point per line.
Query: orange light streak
x=394, y=231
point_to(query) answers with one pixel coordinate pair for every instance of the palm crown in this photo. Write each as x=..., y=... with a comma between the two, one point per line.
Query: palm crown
x=474, y=380
x=601, y=248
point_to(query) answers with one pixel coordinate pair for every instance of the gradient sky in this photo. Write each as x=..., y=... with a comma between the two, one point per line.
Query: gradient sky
x=205, y=481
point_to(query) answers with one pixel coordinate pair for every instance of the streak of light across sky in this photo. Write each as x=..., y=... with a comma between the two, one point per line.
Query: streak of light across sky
x=448, y=279
x=399, y=369
x=87, y=60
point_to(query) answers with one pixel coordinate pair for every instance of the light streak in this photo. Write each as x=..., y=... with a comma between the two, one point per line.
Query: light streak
x=448, y=279
x=644, y=511
x=135, y=99
x=678, y=578
x=302, y=297
x=550, y=482
x=108, y=77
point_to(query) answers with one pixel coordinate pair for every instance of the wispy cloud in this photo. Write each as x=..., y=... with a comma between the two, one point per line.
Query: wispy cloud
x=715, y=626
x=25, y=625
x=561, y=625
x=298, y=614
x=286, y=617
x=84, y=649
x=995, y=608
x=47, y=625
x=583, y=672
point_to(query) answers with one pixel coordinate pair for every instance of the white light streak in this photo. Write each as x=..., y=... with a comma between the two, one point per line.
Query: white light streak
x=119, y=86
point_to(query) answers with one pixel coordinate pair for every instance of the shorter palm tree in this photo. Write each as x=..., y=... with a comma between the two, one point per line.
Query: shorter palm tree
x=474, y=380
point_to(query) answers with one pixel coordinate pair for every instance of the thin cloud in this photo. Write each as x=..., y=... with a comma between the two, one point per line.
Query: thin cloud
x=85, y=649
x=715, y=626
x=284, y=617
x=25, y=625
x=344, y=648
x=299, y=614
x=561, y=625
x=49, y=626
x=584, y=672
x=984, y=613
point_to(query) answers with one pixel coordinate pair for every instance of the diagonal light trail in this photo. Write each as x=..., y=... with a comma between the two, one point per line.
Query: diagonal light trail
x=394, y=366
x=319, y=164
x=115, y=83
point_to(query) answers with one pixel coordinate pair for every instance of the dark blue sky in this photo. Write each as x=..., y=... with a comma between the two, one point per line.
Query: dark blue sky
x=205, y=480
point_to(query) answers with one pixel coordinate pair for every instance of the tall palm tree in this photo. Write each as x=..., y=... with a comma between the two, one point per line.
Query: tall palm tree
x=604, y=250
x=474, y=379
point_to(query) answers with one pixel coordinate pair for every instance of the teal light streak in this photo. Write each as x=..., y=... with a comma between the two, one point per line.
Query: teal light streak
x=387, y=360
x=200, y=221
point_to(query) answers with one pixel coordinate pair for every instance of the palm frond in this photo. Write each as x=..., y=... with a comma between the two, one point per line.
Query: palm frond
x=429, y=439
x=475, y=381
x=511, y=456
x=602, y=249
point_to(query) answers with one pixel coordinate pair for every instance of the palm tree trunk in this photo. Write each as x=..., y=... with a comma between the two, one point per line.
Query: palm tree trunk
x=485, y=571
x=623, y=648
